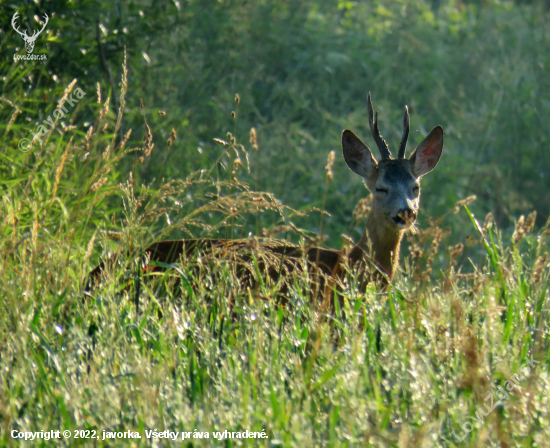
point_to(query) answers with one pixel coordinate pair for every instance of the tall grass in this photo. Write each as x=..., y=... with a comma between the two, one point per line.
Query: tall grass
x=411, y=366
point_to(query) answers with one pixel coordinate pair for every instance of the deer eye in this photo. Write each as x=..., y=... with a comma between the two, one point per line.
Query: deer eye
x=382, y=190
x=416, y=189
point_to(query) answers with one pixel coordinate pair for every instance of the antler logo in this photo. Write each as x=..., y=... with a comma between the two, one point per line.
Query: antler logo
x=29, y=40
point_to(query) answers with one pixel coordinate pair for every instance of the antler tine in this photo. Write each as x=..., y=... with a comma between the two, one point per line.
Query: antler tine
x=13, y=20
x=36, y=32
x=373, y=121
x=406, y=128
x=47, y=19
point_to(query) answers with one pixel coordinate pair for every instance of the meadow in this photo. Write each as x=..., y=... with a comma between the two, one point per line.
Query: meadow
x=215, y=119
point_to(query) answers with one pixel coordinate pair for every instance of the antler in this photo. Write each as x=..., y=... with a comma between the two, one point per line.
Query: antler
x=14, y=18
x=373, y=122
x=406, y=127
x=36, y=33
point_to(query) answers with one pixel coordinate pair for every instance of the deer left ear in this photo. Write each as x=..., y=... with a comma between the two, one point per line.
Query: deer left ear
x=357, y=155
x=427, y=154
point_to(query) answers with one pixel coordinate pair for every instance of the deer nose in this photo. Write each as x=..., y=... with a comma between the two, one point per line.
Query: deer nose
x=405, y=216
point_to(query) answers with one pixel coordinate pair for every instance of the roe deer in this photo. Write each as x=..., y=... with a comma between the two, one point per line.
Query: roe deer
x=395, y=185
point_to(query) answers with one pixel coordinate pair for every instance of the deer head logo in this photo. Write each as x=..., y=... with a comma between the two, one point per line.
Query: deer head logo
x=29, y=40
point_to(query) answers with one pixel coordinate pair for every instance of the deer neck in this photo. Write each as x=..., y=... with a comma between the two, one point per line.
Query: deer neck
x=382, y=243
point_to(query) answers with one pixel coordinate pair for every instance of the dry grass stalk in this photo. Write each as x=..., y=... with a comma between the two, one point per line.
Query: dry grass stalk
x=519, y=231
x=172, y=138
x=124, y=140
x=464, y=202
x=488, y=223
x=106, y=153
x=90, y=247
x=148, y=144
x=219, y=141
x=60, y=170
x=14, y=115
x=97, y=185
x=455, y=252
x=538, y=267
x=330, y=162
x=254, y=139
x=122, y=105
x=104, y=110
x=363, y=208
x=530, y=222
x=66, y=94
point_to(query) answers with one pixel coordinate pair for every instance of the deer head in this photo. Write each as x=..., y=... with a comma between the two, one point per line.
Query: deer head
x=29, y=40
x=395, y=183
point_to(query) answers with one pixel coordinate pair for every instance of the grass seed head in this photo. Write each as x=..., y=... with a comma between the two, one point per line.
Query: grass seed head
x=538, y=267
x=455, y=252
x=148, y=144
x=124, y=139
x=237, y=163
x=519, y=231
x=219, y=141
x=59, y=171
x=66, y=94
x=14, y=115
x=330, y=162
x=89, y=134
x=464, y=202
x=106, y=153
x=471, y=241
x=488, y=223
x=104, y=110
x=363, y=208
x=254, y=139
x=97, y=185
x=172, y=138
x=530, y=222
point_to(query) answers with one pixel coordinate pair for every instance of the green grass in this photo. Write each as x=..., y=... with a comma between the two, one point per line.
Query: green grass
x=407, y=367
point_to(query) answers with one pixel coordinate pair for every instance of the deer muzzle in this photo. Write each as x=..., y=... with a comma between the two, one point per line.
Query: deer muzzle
x=405, y=217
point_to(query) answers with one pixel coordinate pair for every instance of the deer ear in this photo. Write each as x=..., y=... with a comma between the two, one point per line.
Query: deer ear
x=427, y=154
x=357, y=155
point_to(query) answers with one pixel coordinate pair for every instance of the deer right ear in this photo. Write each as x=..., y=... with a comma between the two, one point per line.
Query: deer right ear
x=427, y=154
x=357, y=155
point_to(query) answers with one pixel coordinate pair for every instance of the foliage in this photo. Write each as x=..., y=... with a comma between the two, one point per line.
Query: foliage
x=302, y=70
